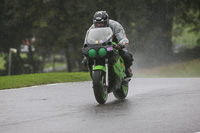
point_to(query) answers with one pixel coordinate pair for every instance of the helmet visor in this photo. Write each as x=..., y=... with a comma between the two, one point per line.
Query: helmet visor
x=100, y=24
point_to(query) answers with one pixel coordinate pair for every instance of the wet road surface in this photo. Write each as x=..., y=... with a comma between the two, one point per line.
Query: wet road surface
x=165, y=105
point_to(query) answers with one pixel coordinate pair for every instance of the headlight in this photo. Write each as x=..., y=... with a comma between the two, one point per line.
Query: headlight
x=92, y=53
x=102, y=52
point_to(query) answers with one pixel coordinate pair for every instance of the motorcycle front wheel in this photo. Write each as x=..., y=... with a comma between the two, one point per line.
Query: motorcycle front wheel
x=99, y=87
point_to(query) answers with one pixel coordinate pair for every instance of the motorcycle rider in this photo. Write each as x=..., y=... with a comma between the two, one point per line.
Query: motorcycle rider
x=101, y=19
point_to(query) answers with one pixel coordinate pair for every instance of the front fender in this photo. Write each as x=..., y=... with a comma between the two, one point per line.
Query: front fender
x=99, y=67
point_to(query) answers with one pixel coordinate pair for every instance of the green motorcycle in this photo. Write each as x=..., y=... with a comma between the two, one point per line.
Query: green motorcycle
x=105, y=65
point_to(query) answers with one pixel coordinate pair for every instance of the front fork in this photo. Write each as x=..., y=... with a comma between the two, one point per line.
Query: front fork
x=106, y=71
x=106, y=65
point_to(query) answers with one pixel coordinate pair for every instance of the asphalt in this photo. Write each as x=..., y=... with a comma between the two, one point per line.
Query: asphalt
x=153, y=105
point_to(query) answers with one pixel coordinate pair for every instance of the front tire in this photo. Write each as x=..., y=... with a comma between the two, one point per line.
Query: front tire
x=122, y=92
x=100, y=90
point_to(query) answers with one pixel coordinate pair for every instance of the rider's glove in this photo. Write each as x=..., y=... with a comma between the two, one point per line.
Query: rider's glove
x=121, y=45
x=117, y=46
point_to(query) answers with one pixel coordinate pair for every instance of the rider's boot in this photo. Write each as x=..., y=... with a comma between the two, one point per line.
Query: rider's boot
x=128, y=72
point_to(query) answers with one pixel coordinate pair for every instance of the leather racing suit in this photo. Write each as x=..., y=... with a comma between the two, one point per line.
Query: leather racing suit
x=121, y=39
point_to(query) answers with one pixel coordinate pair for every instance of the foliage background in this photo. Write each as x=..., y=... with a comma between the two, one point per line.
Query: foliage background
x=59, y=26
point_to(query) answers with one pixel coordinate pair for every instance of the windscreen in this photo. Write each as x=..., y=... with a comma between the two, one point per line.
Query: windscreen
x=99, y=35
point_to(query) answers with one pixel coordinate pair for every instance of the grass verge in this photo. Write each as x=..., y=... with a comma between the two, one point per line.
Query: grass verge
x=7, y=82
x=175, y=70
x=2, y=61
x=180, y=69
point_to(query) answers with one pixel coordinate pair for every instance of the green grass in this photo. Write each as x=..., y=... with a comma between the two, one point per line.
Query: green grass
x=57, y=64
x=7, y=82
x=180, y=69
x=2, y=62
x=186, y=38
x=24, y=56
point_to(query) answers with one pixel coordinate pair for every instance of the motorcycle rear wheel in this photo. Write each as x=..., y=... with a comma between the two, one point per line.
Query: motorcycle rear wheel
x=122, y=92
x=100, y=90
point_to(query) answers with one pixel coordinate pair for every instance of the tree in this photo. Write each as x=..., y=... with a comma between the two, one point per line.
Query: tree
x=150, y=27
x=62, y=25
x=187, y=13
x=152, y=21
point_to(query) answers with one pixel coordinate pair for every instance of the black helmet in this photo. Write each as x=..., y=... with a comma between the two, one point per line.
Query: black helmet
x=101, y=19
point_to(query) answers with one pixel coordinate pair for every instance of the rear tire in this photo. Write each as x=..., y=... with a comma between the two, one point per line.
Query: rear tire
x=122, y=92
x=100, y=90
